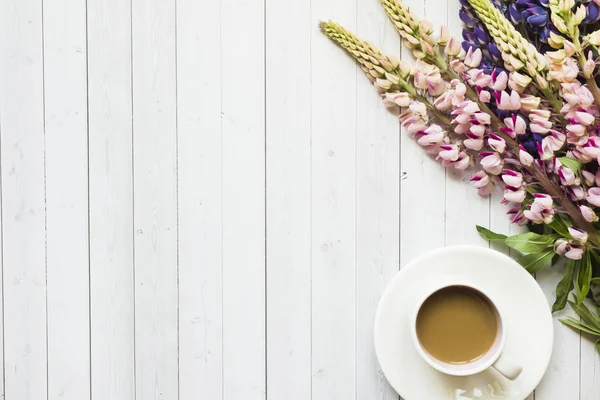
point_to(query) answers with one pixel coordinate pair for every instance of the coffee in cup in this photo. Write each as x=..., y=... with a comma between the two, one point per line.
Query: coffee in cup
x=458, y=330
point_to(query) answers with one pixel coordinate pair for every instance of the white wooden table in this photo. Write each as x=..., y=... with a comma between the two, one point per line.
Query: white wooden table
x=232, y=239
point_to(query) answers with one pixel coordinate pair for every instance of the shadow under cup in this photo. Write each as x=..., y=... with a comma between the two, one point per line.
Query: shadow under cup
x=458, y=330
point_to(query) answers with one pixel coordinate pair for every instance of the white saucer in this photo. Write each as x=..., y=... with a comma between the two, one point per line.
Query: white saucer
x=525, y=310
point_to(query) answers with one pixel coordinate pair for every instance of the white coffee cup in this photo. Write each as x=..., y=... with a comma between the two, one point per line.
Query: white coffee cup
x=494, y=358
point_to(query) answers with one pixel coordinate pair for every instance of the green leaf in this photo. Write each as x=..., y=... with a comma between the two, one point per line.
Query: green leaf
x=489, y=235
x=571, y=164
x=586, y=315
x=598, y=346
x=564, y=287
x=530, y=242
x=595, y=280
x=573, y=323
x=560, y=227
x=584, y=276
x=536, y=261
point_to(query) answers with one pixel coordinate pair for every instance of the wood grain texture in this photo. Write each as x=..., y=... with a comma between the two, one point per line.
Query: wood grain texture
x=200, y=199
x=288, y=177
x=65, y=72
x=377, y=203
x=111, y=200
x=23, y=200
x=333, y=152
x=243, y=160
x=589, y=382
x=155, y=198
x=562, y=378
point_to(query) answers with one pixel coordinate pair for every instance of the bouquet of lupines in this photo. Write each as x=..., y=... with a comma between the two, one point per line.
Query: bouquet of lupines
x=516, y=102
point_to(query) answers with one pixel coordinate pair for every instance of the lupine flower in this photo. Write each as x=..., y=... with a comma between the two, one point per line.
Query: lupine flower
x=483, y=183
x=513, y=194
x=570, y=249
x=588, y=214
x=492, y=163
x=578, y=234
x=542, y=209
x=593, y=196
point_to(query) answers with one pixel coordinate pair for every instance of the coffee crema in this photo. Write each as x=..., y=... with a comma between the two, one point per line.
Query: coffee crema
x=457, y=325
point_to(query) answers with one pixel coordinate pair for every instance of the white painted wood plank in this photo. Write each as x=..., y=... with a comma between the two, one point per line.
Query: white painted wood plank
x=243, y=134
x=23, y=200
x=65, y=72
x=111, y=200
x=155, y=198
x=333, y=104
x=200, y=209
x=562, y=379
x=377, y=204
x=590, y=368
x=288, y=199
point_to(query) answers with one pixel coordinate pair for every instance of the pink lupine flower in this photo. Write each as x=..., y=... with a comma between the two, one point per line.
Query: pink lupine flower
x=570, y=249
x=458, y=66
x=577, y=192
x=577, y=95
x=574, y=252
x=584, y=118
x=591, y=148
x=515, y=125
x=565, y=71
x=477, y=129
x=483, y=183
x=474, y=141
x=434, y=134
x=396, y=99
x=593, y=196
x=545, y=151
x=588, y=214
x=542, y=210
x=473, y=58
x=578, y=234
x=588, y=177
x=453, y=47
x=560, y=246
x=512, y=178
x=463, y=162
x=514, y=194
x=567, y=176
x=499, y=81
x=449, y=152
x=477, y=77
x=507, y=101
x=555, y=140
x=485, y=96
x=491, y=162
x=496, y=143
x=525, y=158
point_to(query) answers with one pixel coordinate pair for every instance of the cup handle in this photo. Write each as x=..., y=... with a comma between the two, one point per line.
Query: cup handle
x=507, y=367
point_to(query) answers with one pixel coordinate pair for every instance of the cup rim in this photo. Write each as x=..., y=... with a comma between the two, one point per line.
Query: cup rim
x=476, y=366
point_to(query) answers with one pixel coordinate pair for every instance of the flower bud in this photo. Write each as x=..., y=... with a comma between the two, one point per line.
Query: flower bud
x=569, y=48
x=579, y=14
x=453, y=47
x=444, y=35
x=594, y=38
x=555, y=41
